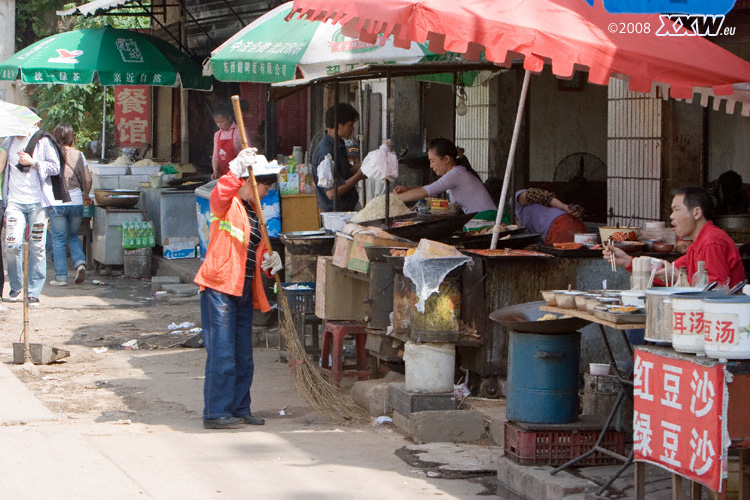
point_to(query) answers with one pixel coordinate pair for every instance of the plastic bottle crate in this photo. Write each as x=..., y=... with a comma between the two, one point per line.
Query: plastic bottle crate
x=300, y=301
x=547, y=447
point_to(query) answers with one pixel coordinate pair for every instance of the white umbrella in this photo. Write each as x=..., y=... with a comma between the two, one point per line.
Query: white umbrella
x=16, y=119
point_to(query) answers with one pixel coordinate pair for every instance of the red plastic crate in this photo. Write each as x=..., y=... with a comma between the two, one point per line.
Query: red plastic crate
x=545, y=447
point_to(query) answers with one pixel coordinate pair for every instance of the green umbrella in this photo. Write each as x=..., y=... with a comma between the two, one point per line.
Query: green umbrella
x=116, y=56
x=272, y=49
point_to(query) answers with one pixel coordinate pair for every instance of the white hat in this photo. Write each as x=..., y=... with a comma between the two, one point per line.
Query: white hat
x=261, y=166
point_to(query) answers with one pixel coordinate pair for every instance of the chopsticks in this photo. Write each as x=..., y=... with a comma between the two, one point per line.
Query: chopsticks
x=612, y=257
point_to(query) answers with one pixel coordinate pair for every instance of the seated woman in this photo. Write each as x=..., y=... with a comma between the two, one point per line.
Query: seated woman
x=464, y=187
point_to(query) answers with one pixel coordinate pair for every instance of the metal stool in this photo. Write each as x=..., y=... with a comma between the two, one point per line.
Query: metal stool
x=333, y=344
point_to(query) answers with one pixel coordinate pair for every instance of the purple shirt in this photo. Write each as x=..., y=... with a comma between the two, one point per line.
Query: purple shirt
x=535, y=217
x=464, y=189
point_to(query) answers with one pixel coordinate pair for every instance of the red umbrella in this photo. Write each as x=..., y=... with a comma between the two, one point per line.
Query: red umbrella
x=568, y=34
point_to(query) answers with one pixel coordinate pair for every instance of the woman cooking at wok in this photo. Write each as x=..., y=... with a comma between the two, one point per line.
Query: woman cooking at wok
x=464, y=187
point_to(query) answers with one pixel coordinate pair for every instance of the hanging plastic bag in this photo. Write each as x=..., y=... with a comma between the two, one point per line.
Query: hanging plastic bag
x=381, y=164
x=325, y=172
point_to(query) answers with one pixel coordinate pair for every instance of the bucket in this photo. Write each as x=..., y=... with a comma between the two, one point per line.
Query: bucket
x=687, y=321
x=429, y=367
x=137, y=263
x=543, y=377
x=659, y=312
x=600, y=394
x=727, y=322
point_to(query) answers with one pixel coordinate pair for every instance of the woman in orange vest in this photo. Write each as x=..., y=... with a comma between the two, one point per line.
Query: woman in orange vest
x=231, y=287
x=226, y=141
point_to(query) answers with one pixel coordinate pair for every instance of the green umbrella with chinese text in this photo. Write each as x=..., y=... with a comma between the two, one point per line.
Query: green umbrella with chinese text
x=115, y=56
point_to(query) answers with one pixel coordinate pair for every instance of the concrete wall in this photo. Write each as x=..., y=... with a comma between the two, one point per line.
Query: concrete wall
x=564, y=122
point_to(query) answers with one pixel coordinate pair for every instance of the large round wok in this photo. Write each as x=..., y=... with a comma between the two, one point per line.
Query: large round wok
x=523, y=318
x=430, y=226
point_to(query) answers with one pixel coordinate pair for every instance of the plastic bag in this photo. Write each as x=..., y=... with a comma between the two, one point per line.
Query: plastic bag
x=428, y=266
x=381, y=164
x=325, y=172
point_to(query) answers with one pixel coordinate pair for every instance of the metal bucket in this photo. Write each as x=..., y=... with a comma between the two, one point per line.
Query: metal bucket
x=659, y=312
x=543, y=377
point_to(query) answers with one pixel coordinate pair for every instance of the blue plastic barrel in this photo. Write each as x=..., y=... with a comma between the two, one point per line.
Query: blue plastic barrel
x=543, y=377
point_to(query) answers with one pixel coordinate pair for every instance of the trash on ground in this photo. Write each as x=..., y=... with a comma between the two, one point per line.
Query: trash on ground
x=122, y=422
x=382, y=420
x=461, y=391
x=100, y=350
x=177, y=332
x=98, y=283
x=197, y=329
x=175, y=326
x=49, y=377
x=131, y=345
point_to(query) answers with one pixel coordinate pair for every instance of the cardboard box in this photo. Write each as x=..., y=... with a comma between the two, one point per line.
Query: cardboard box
x=338, y=296
x=179, y=248
x=342, y=248
x=358, y=260
x=291, y=185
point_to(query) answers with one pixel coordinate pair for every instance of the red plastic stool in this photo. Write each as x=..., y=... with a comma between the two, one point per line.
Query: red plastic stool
x=333, y=344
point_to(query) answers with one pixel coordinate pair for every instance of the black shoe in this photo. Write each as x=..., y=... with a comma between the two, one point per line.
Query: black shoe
x=14, y=296
x=33, y=301
x=250, y=420
x=222, y=423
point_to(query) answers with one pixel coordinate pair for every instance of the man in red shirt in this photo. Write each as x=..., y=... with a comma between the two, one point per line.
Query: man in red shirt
x=692, y=209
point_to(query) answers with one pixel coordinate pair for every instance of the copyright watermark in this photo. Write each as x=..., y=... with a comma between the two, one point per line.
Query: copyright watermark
x=677, y=25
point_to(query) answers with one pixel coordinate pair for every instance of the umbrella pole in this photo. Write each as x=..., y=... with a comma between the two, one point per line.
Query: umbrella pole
x=104, y=121
x=335, y=145
x=511, y=158
x=26, y=344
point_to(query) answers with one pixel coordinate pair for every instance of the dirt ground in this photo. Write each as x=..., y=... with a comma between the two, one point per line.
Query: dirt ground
x=147, y=395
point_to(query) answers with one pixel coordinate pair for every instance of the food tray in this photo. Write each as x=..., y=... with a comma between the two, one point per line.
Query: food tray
x=581, y=252
x=506, y=253
x=621, y=317
x=556, y=447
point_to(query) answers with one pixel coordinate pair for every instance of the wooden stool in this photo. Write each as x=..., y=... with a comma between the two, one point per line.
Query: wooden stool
x=333, y=344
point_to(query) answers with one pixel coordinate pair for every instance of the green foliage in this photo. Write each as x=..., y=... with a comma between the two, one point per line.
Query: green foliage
x=78, y=105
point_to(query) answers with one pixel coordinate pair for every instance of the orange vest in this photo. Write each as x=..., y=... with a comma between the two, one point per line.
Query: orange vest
x=226, y=256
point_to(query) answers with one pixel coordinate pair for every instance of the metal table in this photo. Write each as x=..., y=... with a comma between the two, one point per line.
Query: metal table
x=626, y=384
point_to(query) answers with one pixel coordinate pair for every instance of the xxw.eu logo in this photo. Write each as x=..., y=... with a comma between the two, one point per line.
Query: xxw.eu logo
x=692, y=25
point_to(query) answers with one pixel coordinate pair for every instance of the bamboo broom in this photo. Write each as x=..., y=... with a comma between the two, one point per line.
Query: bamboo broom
x=311, y=386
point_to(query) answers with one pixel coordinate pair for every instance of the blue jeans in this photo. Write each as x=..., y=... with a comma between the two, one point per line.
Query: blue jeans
x=64, y=223
x=17, y=217
x=227, y=323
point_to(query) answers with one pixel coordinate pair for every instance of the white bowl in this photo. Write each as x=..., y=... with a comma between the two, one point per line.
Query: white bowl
x=599, y=368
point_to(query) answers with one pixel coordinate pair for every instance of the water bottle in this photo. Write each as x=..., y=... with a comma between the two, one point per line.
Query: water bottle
x=126, y=236
x=422, y=207
x=151, y=234
x=138, y=235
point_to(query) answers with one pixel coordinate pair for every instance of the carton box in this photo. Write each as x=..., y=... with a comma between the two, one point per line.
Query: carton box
x=338, y=296
x=358, y=260
x=179, y=248
x=291, y=185
x=342, y=248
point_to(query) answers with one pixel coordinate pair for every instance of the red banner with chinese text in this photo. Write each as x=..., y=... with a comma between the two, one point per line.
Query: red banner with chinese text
x=133, y=115
x=679, y=416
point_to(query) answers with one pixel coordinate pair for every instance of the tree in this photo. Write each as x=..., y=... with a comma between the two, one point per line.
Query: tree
x=78, y=105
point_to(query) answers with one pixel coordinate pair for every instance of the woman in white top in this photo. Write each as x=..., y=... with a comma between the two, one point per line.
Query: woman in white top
x=464, y=187
x=65, y=218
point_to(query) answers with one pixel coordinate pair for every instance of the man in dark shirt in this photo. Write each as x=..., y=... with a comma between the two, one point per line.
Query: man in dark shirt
x=348, y=199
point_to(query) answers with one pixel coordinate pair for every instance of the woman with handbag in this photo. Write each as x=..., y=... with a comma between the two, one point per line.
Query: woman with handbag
x=65, y=218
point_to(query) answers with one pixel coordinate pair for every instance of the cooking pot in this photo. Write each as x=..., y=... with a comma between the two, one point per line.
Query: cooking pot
x=659, y=312
x=732, y=221
x=728, y=319
x=687, y=320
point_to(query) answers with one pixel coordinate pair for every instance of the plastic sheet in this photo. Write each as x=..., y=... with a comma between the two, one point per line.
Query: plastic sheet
x=428, y=266
x=325, y=172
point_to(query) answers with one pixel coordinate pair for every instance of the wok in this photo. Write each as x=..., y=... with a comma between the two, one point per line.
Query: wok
x=117, y=198
x=308, y=242
x=523, y=318
x=514, y=241
x=434, y=227
x=378, y=254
